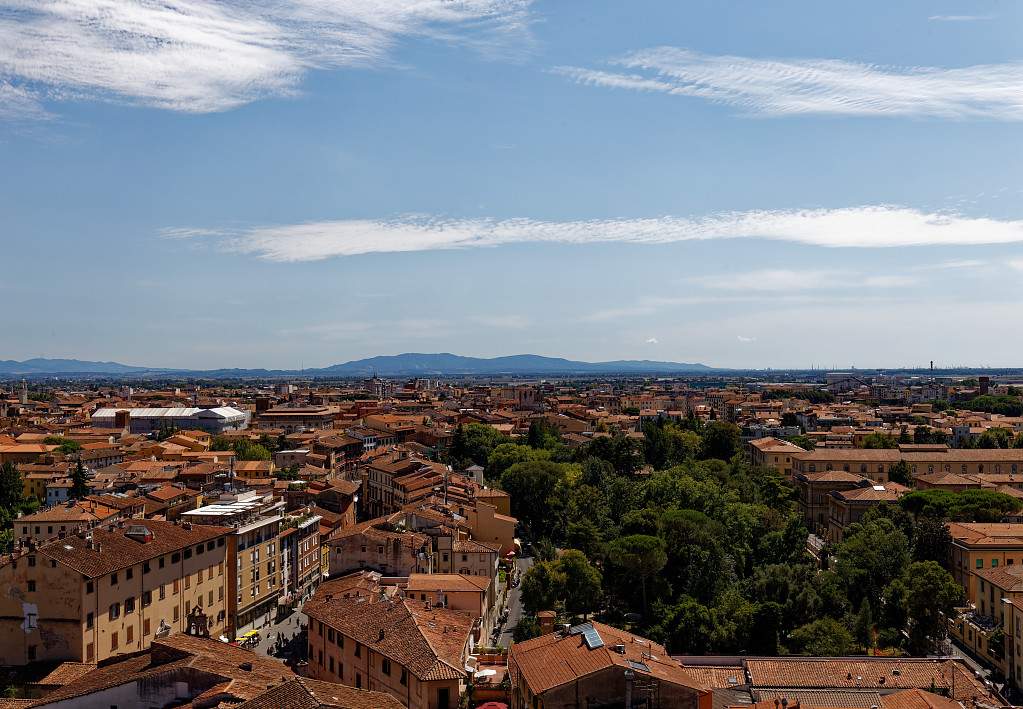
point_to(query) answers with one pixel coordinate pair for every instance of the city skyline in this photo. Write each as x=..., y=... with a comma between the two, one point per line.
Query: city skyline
x=247, y=186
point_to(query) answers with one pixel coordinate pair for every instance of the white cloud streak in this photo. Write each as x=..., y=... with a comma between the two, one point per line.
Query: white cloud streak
x=196, y=56
x=959, y=18
x=19, y=104
x=789, y=280
x=785, y=87
x=954, y=264
x=853, y=227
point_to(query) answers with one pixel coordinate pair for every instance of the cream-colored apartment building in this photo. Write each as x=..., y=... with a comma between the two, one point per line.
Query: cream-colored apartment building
x=111, y=590
x=410, y=649
x=254, y=559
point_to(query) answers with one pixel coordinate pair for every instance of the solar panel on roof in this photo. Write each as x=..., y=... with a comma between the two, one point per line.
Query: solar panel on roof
x=641, y=666
x=590, y=635
x=593, y=639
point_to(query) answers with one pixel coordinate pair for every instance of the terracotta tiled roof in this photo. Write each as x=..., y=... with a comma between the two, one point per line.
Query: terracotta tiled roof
x=63, y=513
x=249, y=673
x=556, y=659
x=831, y=476
x=717, y=677
x=169, y=492
x=968, y=455
x=947, y=479
x=65, y=673
x=852, y=699
x=448, y=582
x=429, y=642
x=304, y=693
x=116, y=501
x=117, y=551
x=987, y=533
x=376, y=530
x=917, y=699
x=864, y=673
x=854, y=455
x=132, y=668
x=889, y=492
x=471, y=546
x=776, y=445
x=235, y=673
x=346, y=487
x=1009, y=578
x=818, y=698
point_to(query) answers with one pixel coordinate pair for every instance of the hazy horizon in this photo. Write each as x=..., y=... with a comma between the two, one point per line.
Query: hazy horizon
x=298, y=185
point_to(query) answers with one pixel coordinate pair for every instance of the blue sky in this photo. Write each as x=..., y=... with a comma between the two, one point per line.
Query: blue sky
x=736, y=183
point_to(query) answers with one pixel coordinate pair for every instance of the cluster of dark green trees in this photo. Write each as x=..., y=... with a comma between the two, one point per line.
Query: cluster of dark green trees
x=244, y=449
x=13, y=501
x=1005, y=404
x=677, y=536
x=991, y=438
x=814, y=396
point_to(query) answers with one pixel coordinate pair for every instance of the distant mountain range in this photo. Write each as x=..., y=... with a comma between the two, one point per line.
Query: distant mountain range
x=408, y=364
x=445, y=363
x=42, y=365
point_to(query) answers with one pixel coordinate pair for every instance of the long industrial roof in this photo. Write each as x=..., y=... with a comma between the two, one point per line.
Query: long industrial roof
x=175, y=412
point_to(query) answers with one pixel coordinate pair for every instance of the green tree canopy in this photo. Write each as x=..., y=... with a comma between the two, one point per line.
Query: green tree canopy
x=638, y=556
x=11, y=488
x=665, y=445
x=967, y=505
x=79, y=482
x=543, y=435
x=243, y=448
x=721, y=440
x=532, y=486
x=66, y=445
x=879, y=440
x=582, y=587
x=506, y=455
x=870, y=557
x=932, y=595
x=1005, y=405
x=685, y=627
x=931, y=539
x=472, y=443
x=995, y=437
x=622, y=452
x=900, y=473
x=825, y=637
x=543, y=587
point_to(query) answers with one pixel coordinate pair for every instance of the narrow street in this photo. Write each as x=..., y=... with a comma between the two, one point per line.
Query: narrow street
x=290, y=627
x=514, y=604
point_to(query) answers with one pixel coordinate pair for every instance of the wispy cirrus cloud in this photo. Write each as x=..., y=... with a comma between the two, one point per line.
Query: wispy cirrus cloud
x=953, y=264
x=195, y=56
x=782, y=87
x=960, y=18
x=772, y=280
x=853, y=227
x=17, y=103
x=789, y=280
